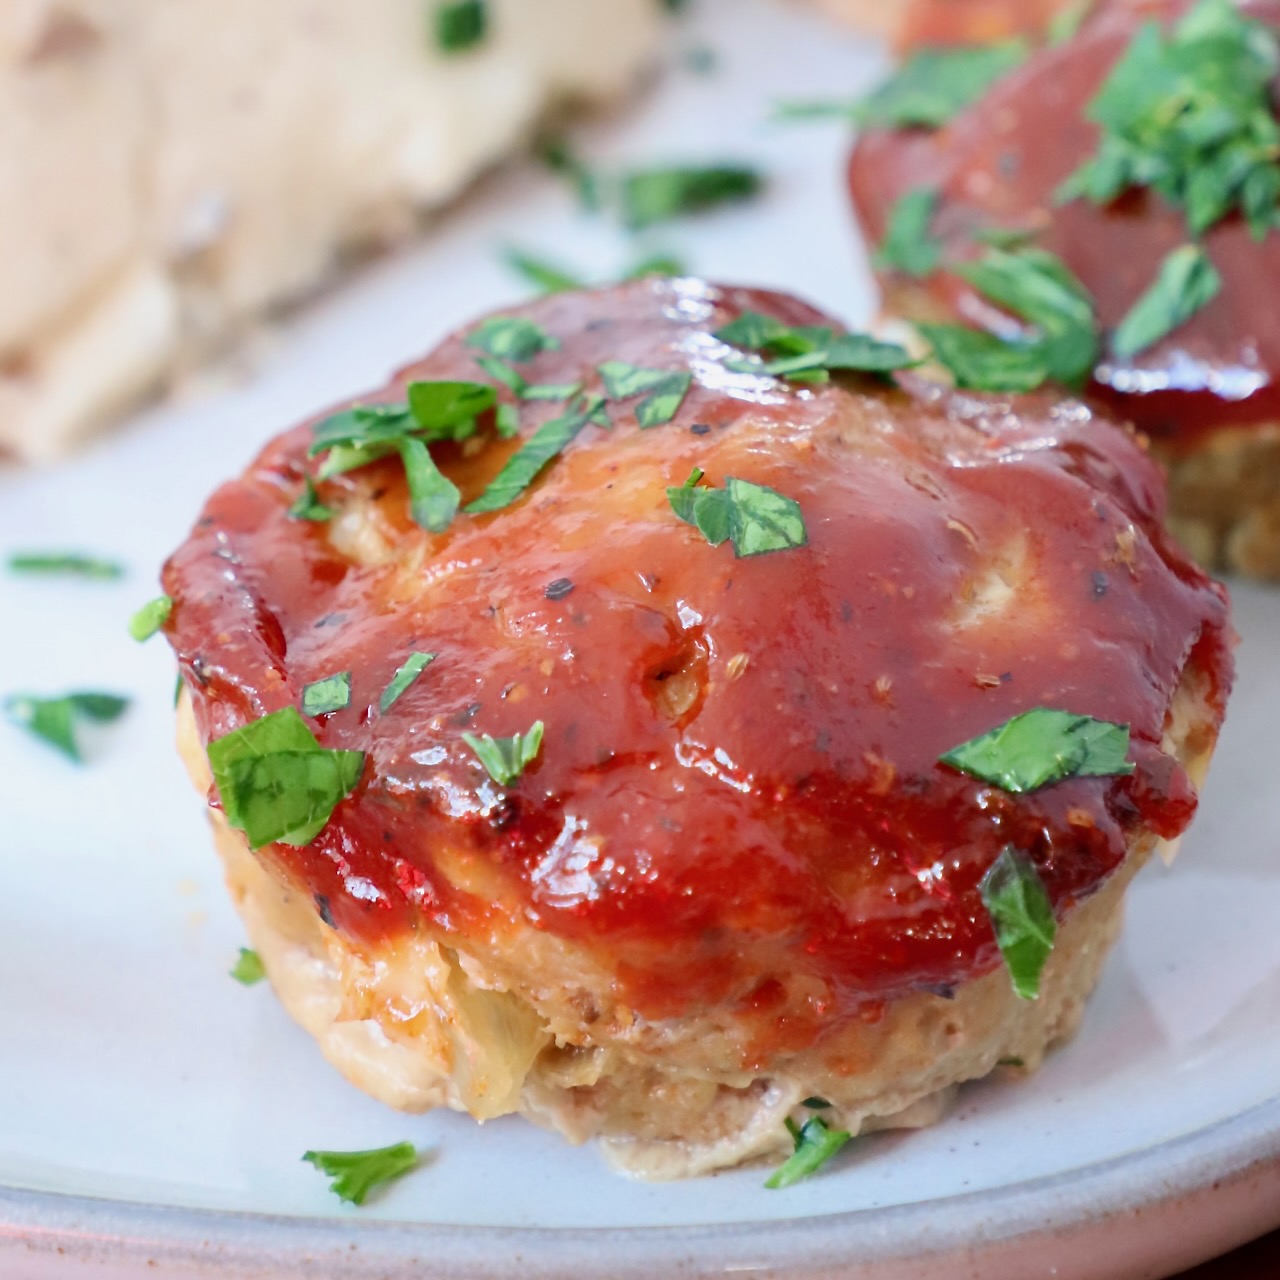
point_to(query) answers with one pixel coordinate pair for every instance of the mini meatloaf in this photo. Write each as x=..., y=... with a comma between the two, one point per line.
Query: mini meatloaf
x=588, y=764
x=1205, y=384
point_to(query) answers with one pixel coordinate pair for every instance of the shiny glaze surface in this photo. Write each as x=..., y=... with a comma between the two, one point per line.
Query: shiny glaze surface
x=999, y=163
x=738, y=791
x=945, y=22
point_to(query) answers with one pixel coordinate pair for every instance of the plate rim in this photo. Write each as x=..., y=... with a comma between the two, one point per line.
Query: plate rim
x=90, y=1228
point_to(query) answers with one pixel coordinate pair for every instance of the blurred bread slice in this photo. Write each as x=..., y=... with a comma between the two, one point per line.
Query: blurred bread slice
x=168, y=171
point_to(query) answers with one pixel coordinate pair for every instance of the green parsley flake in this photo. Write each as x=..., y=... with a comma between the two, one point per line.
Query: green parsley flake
x=150, y=618
x=448, y=410
x=658, y=264
x=664, y=390
x=67, y=564
x=433, y=498
x=1187, y=282
x=323, y=697
x=807, y=352
x=1189, y=114
x=755, y=331
x=803, y=111
x=308, y=505
x=845, y=352
x=935, y=85
x=414, y=666
x=353, y=1174
x=657, y=195
x=506, y=421
x=512, y=338
x=506, y=759
x=460, y=25
x=755, y=518
x=248, y=970
x=515, y=382
x=979, y=361
x=54, y=720
x=542, y=273
x=546, y=443
x=561, y=159
x=1037, y=287
x=1022, y=917
x=815, y=1144
x=909, y=246
x=1041, y=747
x=276, y=783
x=435, y=411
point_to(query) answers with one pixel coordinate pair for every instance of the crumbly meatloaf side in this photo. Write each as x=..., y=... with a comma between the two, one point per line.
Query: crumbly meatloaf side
x=237, y=154
x=1224, y=499
x=419, y=1025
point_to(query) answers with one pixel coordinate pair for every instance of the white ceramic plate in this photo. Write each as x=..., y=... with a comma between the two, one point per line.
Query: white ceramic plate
x=152, y=1110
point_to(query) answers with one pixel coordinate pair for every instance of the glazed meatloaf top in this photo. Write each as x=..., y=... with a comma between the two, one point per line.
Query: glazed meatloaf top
x=743, y=705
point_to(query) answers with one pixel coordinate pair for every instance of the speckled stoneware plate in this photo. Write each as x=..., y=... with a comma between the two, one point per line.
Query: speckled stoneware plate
x=154, y=1112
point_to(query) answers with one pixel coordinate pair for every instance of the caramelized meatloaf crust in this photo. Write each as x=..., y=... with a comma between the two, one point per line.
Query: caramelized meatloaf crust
x=735, y=875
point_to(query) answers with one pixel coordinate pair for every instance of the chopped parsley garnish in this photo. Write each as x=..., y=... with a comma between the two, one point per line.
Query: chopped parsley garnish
x=414, y=666
x=435, y=411
x=150, y=618
x=1038, y=287
x=353, y=1174
x=980, y=361
x=1061, y=344
x=323, y=697
x=506, y=421
x=54, y=719
x=519, y=386
x=658, y=264
x=560, y=158
x=67, y=564
x=1189, y=113
x=933, y=86
x=1022, y=917
x=663, y=389
x=506, y=759
x=541, y=273
x=817, y=109
x=308, y=506
x=512, y=338
x=277, y=783
x=550, y=277
x=1187, y=282
x=650, y=196
x=755, y=331
x=1041, y=747
x=807, y=353
x=546, y=443
x=248, y=970
x=460, y=25
x=909, y=246
x=815, y=1144
x=755, y=518
x=433, y=497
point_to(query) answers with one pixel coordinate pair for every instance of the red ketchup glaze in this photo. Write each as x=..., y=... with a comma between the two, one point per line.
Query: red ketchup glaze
x=999, y=163
x=792, y=823
x=947, y=22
